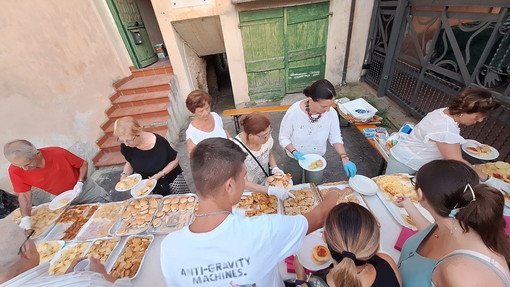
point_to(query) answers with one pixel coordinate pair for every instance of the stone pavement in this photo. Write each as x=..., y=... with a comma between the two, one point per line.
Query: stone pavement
x=361, y=152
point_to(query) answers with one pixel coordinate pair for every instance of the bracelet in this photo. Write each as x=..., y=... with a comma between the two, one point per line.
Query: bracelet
x=301, y=282
x=80, y=180
x=342, y=155
x=293, y=151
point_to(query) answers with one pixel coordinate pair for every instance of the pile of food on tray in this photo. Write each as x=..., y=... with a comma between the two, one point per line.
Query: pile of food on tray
x=67, y=256
x=174, y=213
x=257, y=203
x=395, y=185
x=129, y=261
x=279, y=179
x=304, y=201
x=138, y=215
x=102, y=248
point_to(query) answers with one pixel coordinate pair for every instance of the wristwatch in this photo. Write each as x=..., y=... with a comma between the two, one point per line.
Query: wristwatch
x=301, y=282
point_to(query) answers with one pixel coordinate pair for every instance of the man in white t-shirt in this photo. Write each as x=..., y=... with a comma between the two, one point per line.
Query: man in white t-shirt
x=221, y=249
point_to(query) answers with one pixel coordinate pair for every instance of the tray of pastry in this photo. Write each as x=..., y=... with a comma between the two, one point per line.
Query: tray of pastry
x=71, y=221
x=137, y=215
x=256, y=203
x=102, y=248
x=306, y=198
x=63, y=259
x=43, y=219
x=48, y=249
x=393, y=185
x=174, y=212
x=131, y=256
x=349, y=196
x=101, y=222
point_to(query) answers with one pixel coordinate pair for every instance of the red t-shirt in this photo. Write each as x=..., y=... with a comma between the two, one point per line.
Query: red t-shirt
x=60, y=172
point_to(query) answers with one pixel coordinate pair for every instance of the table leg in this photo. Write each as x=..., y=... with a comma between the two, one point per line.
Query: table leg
x=236, y=123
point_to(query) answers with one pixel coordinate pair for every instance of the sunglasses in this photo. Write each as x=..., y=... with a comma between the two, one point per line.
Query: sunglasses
x=413, y=182
x=31, y=232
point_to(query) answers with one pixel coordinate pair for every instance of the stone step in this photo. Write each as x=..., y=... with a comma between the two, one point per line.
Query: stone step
x=145, y=120
x=108, y=158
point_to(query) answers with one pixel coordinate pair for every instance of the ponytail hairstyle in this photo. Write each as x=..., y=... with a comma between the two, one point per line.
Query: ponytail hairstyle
x=352, y=235
x=452, y=189
x=320, y=90
x=474, y=100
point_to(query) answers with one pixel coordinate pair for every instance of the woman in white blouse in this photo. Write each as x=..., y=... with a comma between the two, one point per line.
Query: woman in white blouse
x=306, y=128
x=260, y=162
x=205, y=124
x=437, y=135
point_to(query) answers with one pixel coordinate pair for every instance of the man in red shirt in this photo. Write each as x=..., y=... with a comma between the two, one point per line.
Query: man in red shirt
x=51, y=169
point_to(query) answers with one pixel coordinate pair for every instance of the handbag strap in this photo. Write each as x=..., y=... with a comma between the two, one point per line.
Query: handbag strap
x=267, y=175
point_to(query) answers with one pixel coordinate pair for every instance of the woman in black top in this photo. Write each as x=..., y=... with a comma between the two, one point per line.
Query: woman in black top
x=150, y=155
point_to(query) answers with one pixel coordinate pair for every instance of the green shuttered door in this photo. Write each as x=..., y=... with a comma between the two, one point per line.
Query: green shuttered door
x=284, y=48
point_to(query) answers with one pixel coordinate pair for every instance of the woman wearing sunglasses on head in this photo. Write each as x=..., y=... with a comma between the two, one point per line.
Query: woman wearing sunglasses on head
x=257, y=142
x=150, y=155
x=467, y=244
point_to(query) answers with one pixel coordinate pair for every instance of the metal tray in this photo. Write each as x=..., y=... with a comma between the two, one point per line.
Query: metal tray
x=57, y=233
x=173, y=220
x=350, y=192
x=114, y=230
x=238, y=208
x=113, y=259
x=99, y=228
x=93, y=243
x=315, y=194
x=43, y=232
x=400, y=214
x=61, y=252
x=42, y=260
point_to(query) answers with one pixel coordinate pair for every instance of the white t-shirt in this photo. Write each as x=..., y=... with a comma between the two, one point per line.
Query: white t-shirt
x=308, y=137
x=196, y=135
x=254, y=172
x=241, y=250
x=420, y=146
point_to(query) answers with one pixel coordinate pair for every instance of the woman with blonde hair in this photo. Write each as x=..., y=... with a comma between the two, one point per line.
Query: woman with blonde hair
x=150, y=155
x=205, y=124
x=352, y=235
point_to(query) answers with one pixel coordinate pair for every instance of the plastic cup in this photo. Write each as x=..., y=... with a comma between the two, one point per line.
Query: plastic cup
x=83, y=265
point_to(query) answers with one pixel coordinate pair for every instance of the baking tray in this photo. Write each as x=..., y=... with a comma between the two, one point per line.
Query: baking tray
x=247, y=205
x=347, y=196
x=302, y=205
x=116, y=229
x=402, y=182
x=99, y=225
x=43, y=231
x=108, y=253
x=47, y=258
x=56, y=258
x=113, y=259
x=173, y=213
x=79, y=215
x=401, y=215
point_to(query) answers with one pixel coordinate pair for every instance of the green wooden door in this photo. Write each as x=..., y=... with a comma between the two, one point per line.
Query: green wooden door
x=133, y=32
x=307, y=32
x=284, y=48
x=263, y=38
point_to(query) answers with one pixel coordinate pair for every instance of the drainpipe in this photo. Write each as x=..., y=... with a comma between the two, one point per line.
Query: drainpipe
x=348, y=46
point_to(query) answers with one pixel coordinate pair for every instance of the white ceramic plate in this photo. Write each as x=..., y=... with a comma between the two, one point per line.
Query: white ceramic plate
x=472, y=143
x=62, y=200
x=363, y=185
x=305, y=253
x=134, y=175
x=309, y=158
x=136, y=188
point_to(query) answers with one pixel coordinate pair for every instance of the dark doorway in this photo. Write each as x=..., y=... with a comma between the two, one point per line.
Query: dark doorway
x=218, y=81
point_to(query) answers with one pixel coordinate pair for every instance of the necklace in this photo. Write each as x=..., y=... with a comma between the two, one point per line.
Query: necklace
x=213, y=213
x=307, y=108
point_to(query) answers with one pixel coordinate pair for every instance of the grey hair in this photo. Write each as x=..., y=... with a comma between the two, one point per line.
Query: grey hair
x=17, y=148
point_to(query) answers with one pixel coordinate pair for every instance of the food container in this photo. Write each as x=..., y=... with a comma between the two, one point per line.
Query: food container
x=63, y=259
x=71, y=221
x=349, y=196
x=43, y=220
x=256, y=203
x=48, y=249
x=102, y=248
x=131, y=257
x=137, y=216
x=101, y=222
x=174, y=212
x=360, y=109
x=306, y=198
x=144, y=188
x=129, y=182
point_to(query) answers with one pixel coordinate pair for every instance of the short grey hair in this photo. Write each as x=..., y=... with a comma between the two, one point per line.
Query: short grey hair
x=17, y=148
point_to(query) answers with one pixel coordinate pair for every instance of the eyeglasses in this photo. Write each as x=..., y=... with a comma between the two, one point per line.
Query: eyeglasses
x=266, y=135
x=128, y=141
x=413, y=182
x=32, y=231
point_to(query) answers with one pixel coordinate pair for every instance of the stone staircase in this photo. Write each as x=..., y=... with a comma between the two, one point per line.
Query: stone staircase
x=145, y=96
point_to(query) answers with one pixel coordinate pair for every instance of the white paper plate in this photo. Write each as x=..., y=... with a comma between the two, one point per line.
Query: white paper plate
x=140, y=185
x=363, y=185
x=130, y=176
x=305, y=253
x=472, y=143
x=309, y=158
x=62, y=200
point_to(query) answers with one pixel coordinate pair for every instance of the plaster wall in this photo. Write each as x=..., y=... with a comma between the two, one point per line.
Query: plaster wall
x=150, y=22
x=229, y=16
x=59, y=62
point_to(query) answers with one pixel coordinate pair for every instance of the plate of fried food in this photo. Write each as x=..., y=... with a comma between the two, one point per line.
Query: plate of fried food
x=143, y=188
x=128, y=182
x=102, y=248
x=256, y=203
x=480, y=151
x=63, y=199
x=305, y=200
x=499, y=170
x=48, y=249
x=63, y=259
x=393, y=185
x=128, y=262
x=174, y=212
x=137, y=215
x=313, y=162
x=314, y=254
x=280, y=180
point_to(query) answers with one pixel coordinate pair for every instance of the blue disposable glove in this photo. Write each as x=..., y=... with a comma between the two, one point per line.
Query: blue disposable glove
x=299, y=156
x=350, y=169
